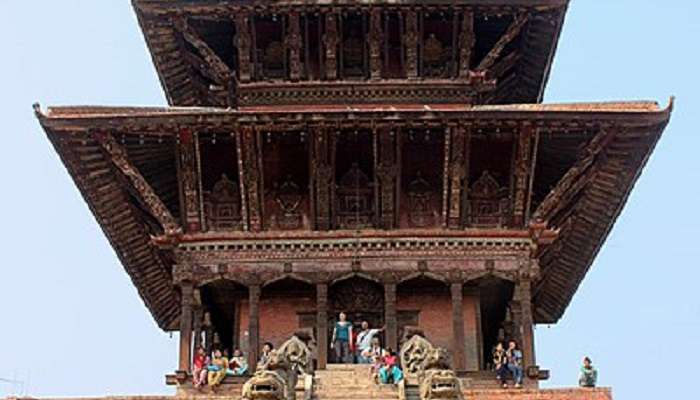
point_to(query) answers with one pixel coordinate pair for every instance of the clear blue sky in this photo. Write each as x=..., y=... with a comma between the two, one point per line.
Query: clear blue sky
x=72, y=323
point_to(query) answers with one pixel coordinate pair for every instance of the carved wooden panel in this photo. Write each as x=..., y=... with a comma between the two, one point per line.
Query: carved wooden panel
x=294, y=45
x=375, y=38
x=488, y=203
x=323, y=172
x=249, y=166
x=354, y=200
x=223, y=205
x=457, y=170
x=387, y=177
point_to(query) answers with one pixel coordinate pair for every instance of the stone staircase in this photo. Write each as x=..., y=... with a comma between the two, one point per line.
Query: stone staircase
x=350, y=382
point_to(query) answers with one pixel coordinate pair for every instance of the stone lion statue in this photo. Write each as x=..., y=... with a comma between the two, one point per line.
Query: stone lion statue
x=277, y=378
x=430, y=366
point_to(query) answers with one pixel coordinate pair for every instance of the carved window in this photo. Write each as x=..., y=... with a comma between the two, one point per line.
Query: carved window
x=223, y=205
x=354, y=199
x=488, y=202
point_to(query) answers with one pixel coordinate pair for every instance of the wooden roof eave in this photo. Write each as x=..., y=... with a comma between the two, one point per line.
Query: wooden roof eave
x=559, y=283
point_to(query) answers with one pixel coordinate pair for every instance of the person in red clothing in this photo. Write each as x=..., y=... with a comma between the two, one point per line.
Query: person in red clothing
x=199, y=368
x=390, y=371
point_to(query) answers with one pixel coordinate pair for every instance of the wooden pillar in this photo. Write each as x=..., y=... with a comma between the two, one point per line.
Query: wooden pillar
x=243, y=43
x=390, y=321
x=186, y=293
x=410, y=42
x=527, y=334
x=456, y=173
x=375, y=39
x=458, y=338
x=330, y=44
x=294, y=45
x=466, y=43
x=322, y=177
x=208, y=333
x=387, y=173
x=250, y=172
x=189, y=174
x=253, y=326
x=522, y=166
x=322, y=324
x=197, y=328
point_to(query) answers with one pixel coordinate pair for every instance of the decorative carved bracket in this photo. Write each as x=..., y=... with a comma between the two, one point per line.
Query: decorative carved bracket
x=147, y=196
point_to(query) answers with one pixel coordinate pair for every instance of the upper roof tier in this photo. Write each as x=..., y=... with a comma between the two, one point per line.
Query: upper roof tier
x=238, y=52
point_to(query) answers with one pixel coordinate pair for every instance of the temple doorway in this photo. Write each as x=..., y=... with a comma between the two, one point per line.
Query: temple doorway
x=361, y=300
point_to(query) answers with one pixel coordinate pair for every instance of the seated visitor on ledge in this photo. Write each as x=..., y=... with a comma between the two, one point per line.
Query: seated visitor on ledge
x=514, y=357
x=500, y=364
x=237, y=365
x=589, y=375
x=389, y=372
x=199, y=368
x=217, y=369
x=265, y=354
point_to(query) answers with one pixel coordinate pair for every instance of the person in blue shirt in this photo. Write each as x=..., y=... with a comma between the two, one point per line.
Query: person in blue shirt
x=340, y=341
x=515, y=362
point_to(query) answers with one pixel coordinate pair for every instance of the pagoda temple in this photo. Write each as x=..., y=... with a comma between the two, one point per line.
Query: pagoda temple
x=391, y=159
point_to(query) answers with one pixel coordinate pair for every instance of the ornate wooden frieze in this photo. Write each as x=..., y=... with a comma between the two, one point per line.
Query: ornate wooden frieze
x=466, y=43
x=243, y=42
x=250, y=171
x=188, y=167
x=410, y=42
x=522, y=171
x=375, y=40
x=457, y=170
x=296, y=249
x=322, y=174
x=147, y=196
x=387, y=168
x=294, y=45
x=330, y=44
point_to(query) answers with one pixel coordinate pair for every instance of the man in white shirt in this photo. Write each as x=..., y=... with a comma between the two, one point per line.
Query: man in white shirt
x=363, y=343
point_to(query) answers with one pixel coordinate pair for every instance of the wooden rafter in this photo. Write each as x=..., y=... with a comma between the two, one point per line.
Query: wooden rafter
x=513, y=30
x=250, y=172
x=218, y=67
x=148, y=197
x=574, y=179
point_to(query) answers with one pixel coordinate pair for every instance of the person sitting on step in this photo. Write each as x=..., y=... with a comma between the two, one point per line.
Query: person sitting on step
x=265, y=354
x=589, y=375
x=515, y=362
x=500, y=363
x=199, y=367
x=237, y=365
x=390, y=372
x=217, y=369
x=340, y=341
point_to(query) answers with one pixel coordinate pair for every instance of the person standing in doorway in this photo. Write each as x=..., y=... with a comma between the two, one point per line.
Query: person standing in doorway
x=363, y=343
x=340, y=341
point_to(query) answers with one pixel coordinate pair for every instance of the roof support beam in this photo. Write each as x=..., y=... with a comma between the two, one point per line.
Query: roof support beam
x=570, y=183
x=387, y=167
x=510, y=34
x=219, y=68
x=147, y=196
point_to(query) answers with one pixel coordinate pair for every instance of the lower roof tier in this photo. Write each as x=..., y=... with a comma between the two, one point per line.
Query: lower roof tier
x=427, y=182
